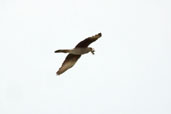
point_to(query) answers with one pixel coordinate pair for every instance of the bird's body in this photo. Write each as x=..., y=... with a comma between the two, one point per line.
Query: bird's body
x=74, y=54
x=75, y=51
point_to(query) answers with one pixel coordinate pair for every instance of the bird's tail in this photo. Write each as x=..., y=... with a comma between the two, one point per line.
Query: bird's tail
x=62, y=51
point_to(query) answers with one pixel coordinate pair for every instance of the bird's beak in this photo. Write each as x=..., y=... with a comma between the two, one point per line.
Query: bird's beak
x=92, y=51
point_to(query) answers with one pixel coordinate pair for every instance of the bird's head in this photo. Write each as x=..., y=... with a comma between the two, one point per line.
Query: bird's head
x=91, y=50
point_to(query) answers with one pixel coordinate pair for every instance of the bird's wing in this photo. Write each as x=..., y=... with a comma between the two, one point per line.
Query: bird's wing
x=88, y=41
x=69, y=61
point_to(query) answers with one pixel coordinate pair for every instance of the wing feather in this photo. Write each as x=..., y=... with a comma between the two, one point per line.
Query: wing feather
x=88, y=41
x=69, y=62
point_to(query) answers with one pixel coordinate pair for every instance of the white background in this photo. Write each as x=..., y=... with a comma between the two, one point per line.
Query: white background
x=130, y=72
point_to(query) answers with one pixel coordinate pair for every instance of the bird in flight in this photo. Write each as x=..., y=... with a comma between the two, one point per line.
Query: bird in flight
x=75, y=53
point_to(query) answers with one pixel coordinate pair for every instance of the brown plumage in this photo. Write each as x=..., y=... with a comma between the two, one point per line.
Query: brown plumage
x=75, y=54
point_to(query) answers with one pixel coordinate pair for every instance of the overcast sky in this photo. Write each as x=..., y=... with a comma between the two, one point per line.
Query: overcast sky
x=130, y=72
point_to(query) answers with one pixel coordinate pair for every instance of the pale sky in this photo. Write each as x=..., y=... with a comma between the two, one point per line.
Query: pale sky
x=130, y=72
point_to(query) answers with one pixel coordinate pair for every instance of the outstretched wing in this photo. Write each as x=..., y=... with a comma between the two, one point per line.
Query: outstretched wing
x=88, y=41
x=69, y=61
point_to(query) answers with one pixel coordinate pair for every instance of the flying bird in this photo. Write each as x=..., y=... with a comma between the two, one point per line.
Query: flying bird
x=75, y=53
